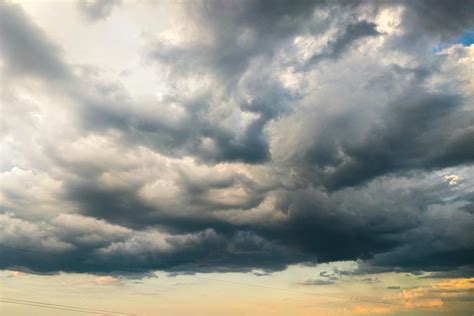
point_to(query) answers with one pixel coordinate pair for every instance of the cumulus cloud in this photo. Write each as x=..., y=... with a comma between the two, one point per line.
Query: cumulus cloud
x=285, y=133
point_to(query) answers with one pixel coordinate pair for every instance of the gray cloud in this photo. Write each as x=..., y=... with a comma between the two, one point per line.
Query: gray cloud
x=247, y=161
x=439, y=17
x=417, y=132
x=26, y=50
x=95, y=10
x=129, y=251
x=317, y=282
x=342, y=42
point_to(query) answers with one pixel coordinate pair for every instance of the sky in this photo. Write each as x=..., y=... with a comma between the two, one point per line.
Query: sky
x=237, y=157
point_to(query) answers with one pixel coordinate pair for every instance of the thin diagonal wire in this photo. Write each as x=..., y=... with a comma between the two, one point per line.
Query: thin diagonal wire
x=66, y=306
x=56, y=307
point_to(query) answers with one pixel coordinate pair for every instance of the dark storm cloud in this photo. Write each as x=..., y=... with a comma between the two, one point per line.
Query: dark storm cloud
x=101, y=247
x=391, y=234
x=393, y=227
x=266, y=24
x=245, y=32
x=469, y=207
x=97, y=9
x=228, y=58
x=459, y=272
x=186, y=136
x=364, y=184
x=438, y=17
x=183, y=137
x=343, y=41
x=120, y=206
x=427, y=23
x=342, y=226
x=418, y=131
x=322, y=225
x=26, y=50
x=123, y=206
x=450, y=247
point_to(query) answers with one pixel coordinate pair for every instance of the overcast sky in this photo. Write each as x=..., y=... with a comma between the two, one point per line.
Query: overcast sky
x=307, y=145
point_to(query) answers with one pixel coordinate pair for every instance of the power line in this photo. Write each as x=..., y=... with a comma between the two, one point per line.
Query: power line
x=66, y=306
x=62, y=307
x=52, y=307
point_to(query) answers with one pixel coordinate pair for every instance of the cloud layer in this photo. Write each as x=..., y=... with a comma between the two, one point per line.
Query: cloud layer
x=281, y=133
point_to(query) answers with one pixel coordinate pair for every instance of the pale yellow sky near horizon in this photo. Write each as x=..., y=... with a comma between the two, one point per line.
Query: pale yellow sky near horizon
x=280, y=293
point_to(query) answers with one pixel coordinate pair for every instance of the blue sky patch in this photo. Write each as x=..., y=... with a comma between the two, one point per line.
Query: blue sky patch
x=466, y=39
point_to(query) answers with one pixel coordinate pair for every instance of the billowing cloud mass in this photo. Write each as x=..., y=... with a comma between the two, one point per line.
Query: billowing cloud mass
x=260, y=134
